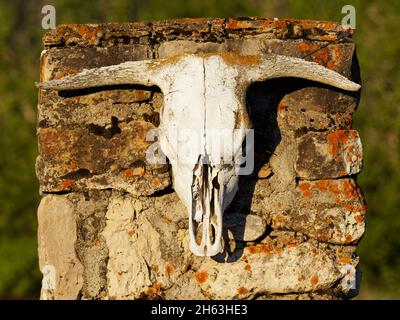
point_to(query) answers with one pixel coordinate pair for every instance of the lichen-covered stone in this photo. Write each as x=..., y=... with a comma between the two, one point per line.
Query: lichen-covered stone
x=291, y=231
x=269, y=268
x=99, y=158
x=245, y=227
x=329, y=155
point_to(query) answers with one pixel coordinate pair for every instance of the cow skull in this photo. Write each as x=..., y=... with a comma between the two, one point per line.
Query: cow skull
x=203, y=94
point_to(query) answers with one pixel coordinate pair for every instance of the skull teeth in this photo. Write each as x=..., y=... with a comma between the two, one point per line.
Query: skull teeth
x=206, y=215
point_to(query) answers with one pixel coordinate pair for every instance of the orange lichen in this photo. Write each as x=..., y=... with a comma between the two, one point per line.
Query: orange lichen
x=131, y=233
x=233, y=58
x=242, y=290
x=247, y=267
x=252, y=249
x=261, y=248
x=322, y=185
x=154, y=268
x=344, y=259
x=170, y=269
x=201, y=276
x=73, y=165
x=266, y=23
x=154, y=289
x=307, y=46
x=331, y=64
x=65, y=185
x=192, y=19
x=165, y=218
x=359, y=218
x=321, y=56
x=163, y=62
x=64, y=73
x=349, y=190
x=349, y=238
x=314, y=252
x=337, y=56
x=305, y=188
x=279, y=248
x=238, y=24
x=131, y=172
x=156, y=182
x=280, y=24
x=87, y=32
x=334, y=188
x=336, y=140
x=266, y=248
x=281, y=106
x=353, y=134
x=314, y=280
x=328, y=38
x=350, y=149
x=128, y=173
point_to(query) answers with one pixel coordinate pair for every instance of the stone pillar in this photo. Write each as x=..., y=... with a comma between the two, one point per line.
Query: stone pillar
x=111, y=225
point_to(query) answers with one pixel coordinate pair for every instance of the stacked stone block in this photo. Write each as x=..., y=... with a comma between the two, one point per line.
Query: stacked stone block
x=111, y=225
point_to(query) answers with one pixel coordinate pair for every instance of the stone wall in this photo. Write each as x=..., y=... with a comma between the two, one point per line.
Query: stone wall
x=111, y=225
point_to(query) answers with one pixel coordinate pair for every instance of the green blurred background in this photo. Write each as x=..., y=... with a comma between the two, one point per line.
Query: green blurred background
x=378, y=119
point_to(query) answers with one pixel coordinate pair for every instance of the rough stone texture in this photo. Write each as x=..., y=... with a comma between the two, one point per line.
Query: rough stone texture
x=63, y=272
x=269, y=268
x=331, y=211
x=290, y=233
x=340, y=152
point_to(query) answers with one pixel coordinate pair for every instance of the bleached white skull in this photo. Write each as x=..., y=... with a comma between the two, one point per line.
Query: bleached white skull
x=204, y=99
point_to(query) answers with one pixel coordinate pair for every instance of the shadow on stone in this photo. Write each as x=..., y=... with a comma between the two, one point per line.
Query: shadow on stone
x=263, y=101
